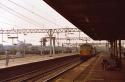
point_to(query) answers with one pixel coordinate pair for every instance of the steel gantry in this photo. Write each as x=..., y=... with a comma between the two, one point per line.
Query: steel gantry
x=23, y=31
x=50, y=33
x=72, y=38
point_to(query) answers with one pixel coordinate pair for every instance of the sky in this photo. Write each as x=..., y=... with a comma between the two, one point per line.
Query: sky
x=31, y=14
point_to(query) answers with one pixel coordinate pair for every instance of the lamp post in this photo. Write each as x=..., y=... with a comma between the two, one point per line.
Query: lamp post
x=12, y=37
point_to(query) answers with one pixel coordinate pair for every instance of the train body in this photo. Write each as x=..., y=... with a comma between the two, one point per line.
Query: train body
x=86, y=51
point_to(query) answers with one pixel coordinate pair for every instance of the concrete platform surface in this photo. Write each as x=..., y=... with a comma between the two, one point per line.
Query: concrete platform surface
x=98, y=74
x=30, y=59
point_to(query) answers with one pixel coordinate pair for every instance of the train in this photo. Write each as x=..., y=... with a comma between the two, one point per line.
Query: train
x=87, y=51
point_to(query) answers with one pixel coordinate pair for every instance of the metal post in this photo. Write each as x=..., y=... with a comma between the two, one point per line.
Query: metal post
x=24, y=48
x=63, y=48
x=108, y=46
x=53, y=45
x=58, y=38
x=113, y=49
x=50, y=33
x=7, y=58
x=116, y=49
x=41, y=45
x=13, y=49
x=44, y=41
x=17, y=34
x=2, y=40
x=76, y=48
x=120, y=49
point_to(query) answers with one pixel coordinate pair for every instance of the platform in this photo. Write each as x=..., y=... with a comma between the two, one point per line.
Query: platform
x=98, y=74
x=30, y=59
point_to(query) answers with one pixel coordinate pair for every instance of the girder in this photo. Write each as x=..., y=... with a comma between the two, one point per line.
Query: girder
x=72, y=38
x=23, y=31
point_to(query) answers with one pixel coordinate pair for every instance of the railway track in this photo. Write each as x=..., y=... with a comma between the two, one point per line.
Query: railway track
x=43, y=77
x=39, y=71
x=79, y=73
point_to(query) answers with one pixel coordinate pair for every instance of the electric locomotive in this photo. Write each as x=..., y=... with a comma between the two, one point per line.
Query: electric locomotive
x=86, y=51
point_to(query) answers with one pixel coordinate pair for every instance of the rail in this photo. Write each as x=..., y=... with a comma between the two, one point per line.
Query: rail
x=42, y=74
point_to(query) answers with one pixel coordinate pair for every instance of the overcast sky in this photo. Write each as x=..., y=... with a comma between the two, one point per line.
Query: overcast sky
x=20, y=14
x=30, y=14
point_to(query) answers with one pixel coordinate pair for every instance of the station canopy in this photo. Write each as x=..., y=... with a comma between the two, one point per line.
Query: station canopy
x=100, y=19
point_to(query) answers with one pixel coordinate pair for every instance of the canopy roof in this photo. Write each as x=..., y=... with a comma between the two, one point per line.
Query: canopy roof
x=100, y=19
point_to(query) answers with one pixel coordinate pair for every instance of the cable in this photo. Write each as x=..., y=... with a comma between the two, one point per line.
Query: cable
x=18, y=16
x=65, y=20
x=11, y=12
x=8, y=24
x=33, y=12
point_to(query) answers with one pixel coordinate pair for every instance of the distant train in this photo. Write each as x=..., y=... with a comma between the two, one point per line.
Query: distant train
x=86, y=51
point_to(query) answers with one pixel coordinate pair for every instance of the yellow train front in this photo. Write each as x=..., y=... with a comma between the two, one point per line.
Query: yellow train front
x=86, y=51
